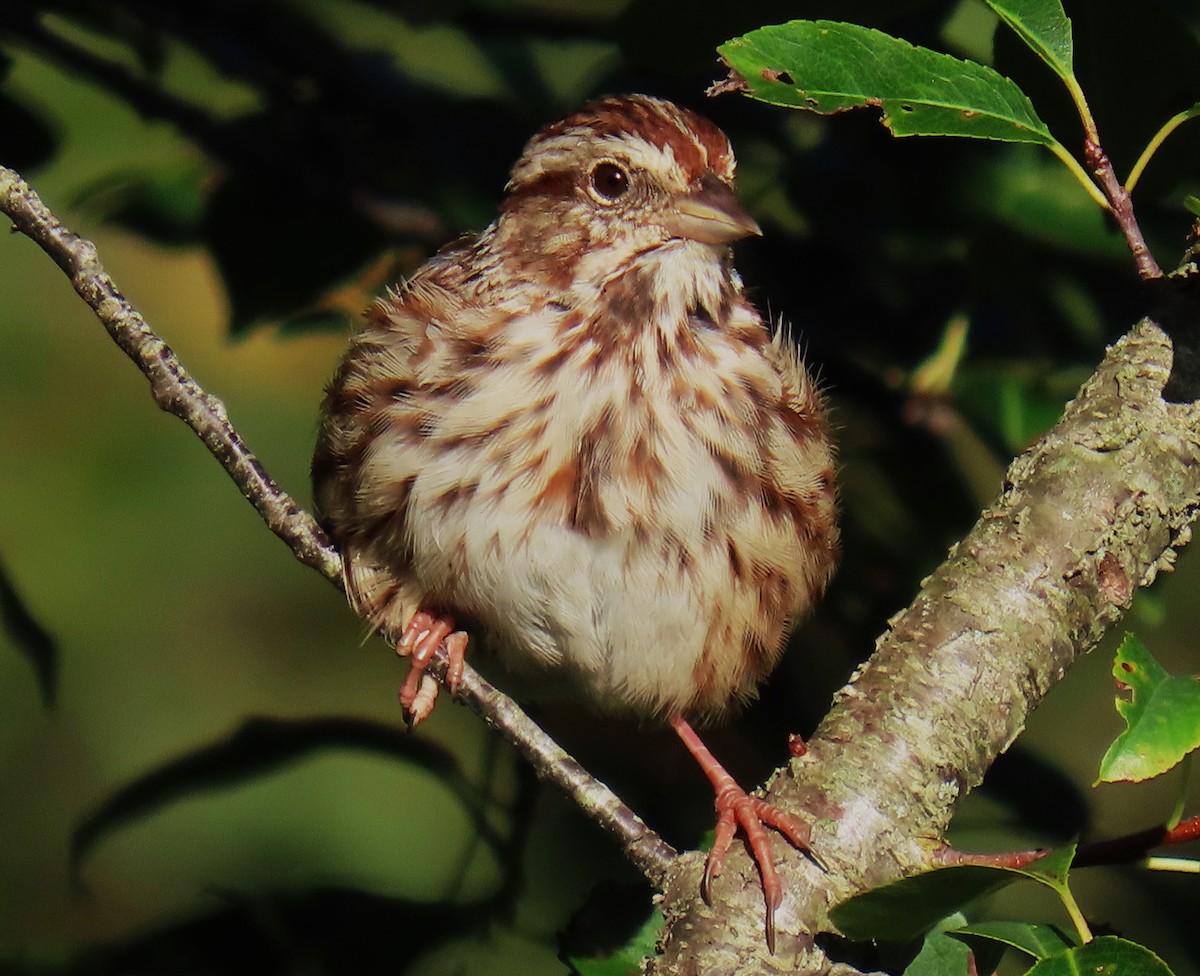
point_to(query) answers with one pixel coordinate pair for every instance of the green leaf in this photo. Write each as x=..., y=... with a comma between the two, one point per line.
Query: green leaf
x=1105, y=956
x=940, y=955
x=904, y=909
x=1044, y=26
x=824, y=66
x=1162, y=716
x=1051, y=869
x=627, y=960
x=1032, y=938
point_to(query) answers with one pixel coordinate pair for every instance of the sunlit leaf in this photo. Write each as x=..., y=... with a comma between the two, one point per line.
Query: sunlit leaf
x=1162, y=715
x=825, y=66
x=1044, y=26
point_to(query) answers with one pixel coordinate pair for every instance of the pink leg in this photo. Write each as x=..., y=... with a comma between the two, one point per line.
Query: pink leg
x=420, y=641
x=736, y=808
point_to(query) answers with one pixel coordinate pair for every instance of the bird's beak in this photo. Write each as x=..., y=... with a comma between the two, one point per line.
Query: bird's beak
x=710, y=213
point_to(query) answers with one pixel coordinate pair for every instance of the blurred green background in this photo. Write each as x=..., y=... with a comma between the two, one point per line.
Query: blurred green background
x=222, y=783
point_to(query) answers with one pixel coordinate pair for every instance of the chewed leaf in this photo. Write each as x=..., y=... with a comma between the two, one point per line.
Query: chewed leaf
x=824, y=66
x=1162, y=715
x=1044, y=26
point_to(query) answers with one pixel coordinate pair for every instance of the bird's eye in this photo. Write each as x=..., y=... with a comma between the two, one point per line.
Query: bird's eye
x=610, y=181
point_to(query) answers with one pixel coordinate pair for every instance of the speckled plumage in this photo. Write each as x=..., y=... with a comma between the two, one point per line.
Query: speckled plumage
x=575, y=435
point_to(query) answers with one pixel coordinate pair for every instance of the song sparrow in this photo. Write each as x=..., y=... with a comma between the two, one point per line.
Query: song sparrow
x=575, y=435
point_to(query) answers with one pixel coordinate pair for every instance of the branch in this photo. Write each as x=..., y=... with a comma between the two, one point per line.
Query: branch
x=1091, y=512
x=177, y=393
x=1122, y=210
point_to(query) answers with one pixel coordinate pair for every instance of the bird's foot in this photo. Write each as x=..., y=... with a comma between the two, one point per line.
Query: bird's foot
x=420, y=641
x=738, y=809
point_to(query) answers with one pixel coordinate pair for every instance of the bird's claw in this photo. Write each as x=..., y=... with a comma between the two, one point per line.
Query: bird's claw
x=420, y=641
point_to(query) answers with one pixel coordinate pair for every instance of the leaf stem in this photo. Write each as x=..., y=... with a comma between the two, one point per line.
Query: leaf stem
x=1118, y=201
x=1080, y=923
x=1182, y=865
x=1085, y=112
x=1079, y=173
x=1173, y=123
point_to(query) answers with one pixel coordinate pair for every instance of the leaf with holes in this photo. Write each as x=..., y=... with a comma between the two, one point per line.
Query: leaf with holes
x=1162, y=715
x=824, y=66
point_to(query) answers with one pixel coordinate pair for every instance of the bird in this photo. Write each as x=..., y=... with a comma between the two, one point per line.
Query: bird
x=574, y=437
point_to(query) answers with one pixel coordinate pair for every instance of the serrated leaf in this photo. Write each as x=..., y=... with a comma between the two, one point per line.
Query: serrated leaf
x=825, y=66
x=1044, y=26
x=906, y=908
x=1032, y=938
x=1162, y=716
x=1105, y=956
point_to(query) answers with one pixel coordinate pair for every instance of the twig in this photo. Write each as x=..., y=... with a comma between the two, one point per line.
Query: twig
x=176, y=392
x=1134, y=847
x=1116, y=850
x=1122, y=209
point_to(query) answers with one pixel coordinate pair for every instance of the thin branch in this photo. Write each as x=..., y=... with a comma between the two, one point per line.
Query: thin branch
x=1126, y=849
x=1121, y=206
x=1134, y=847
x=177, y=393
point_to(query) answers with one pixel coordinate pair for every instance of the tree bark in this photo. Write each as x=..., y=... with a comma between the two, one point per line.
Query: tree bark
x=1093, y=510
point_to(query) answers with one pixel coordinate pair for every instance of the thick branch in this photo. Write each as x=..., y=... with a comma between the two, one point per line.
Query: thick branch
x=177, y=393
x=1092, y=511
